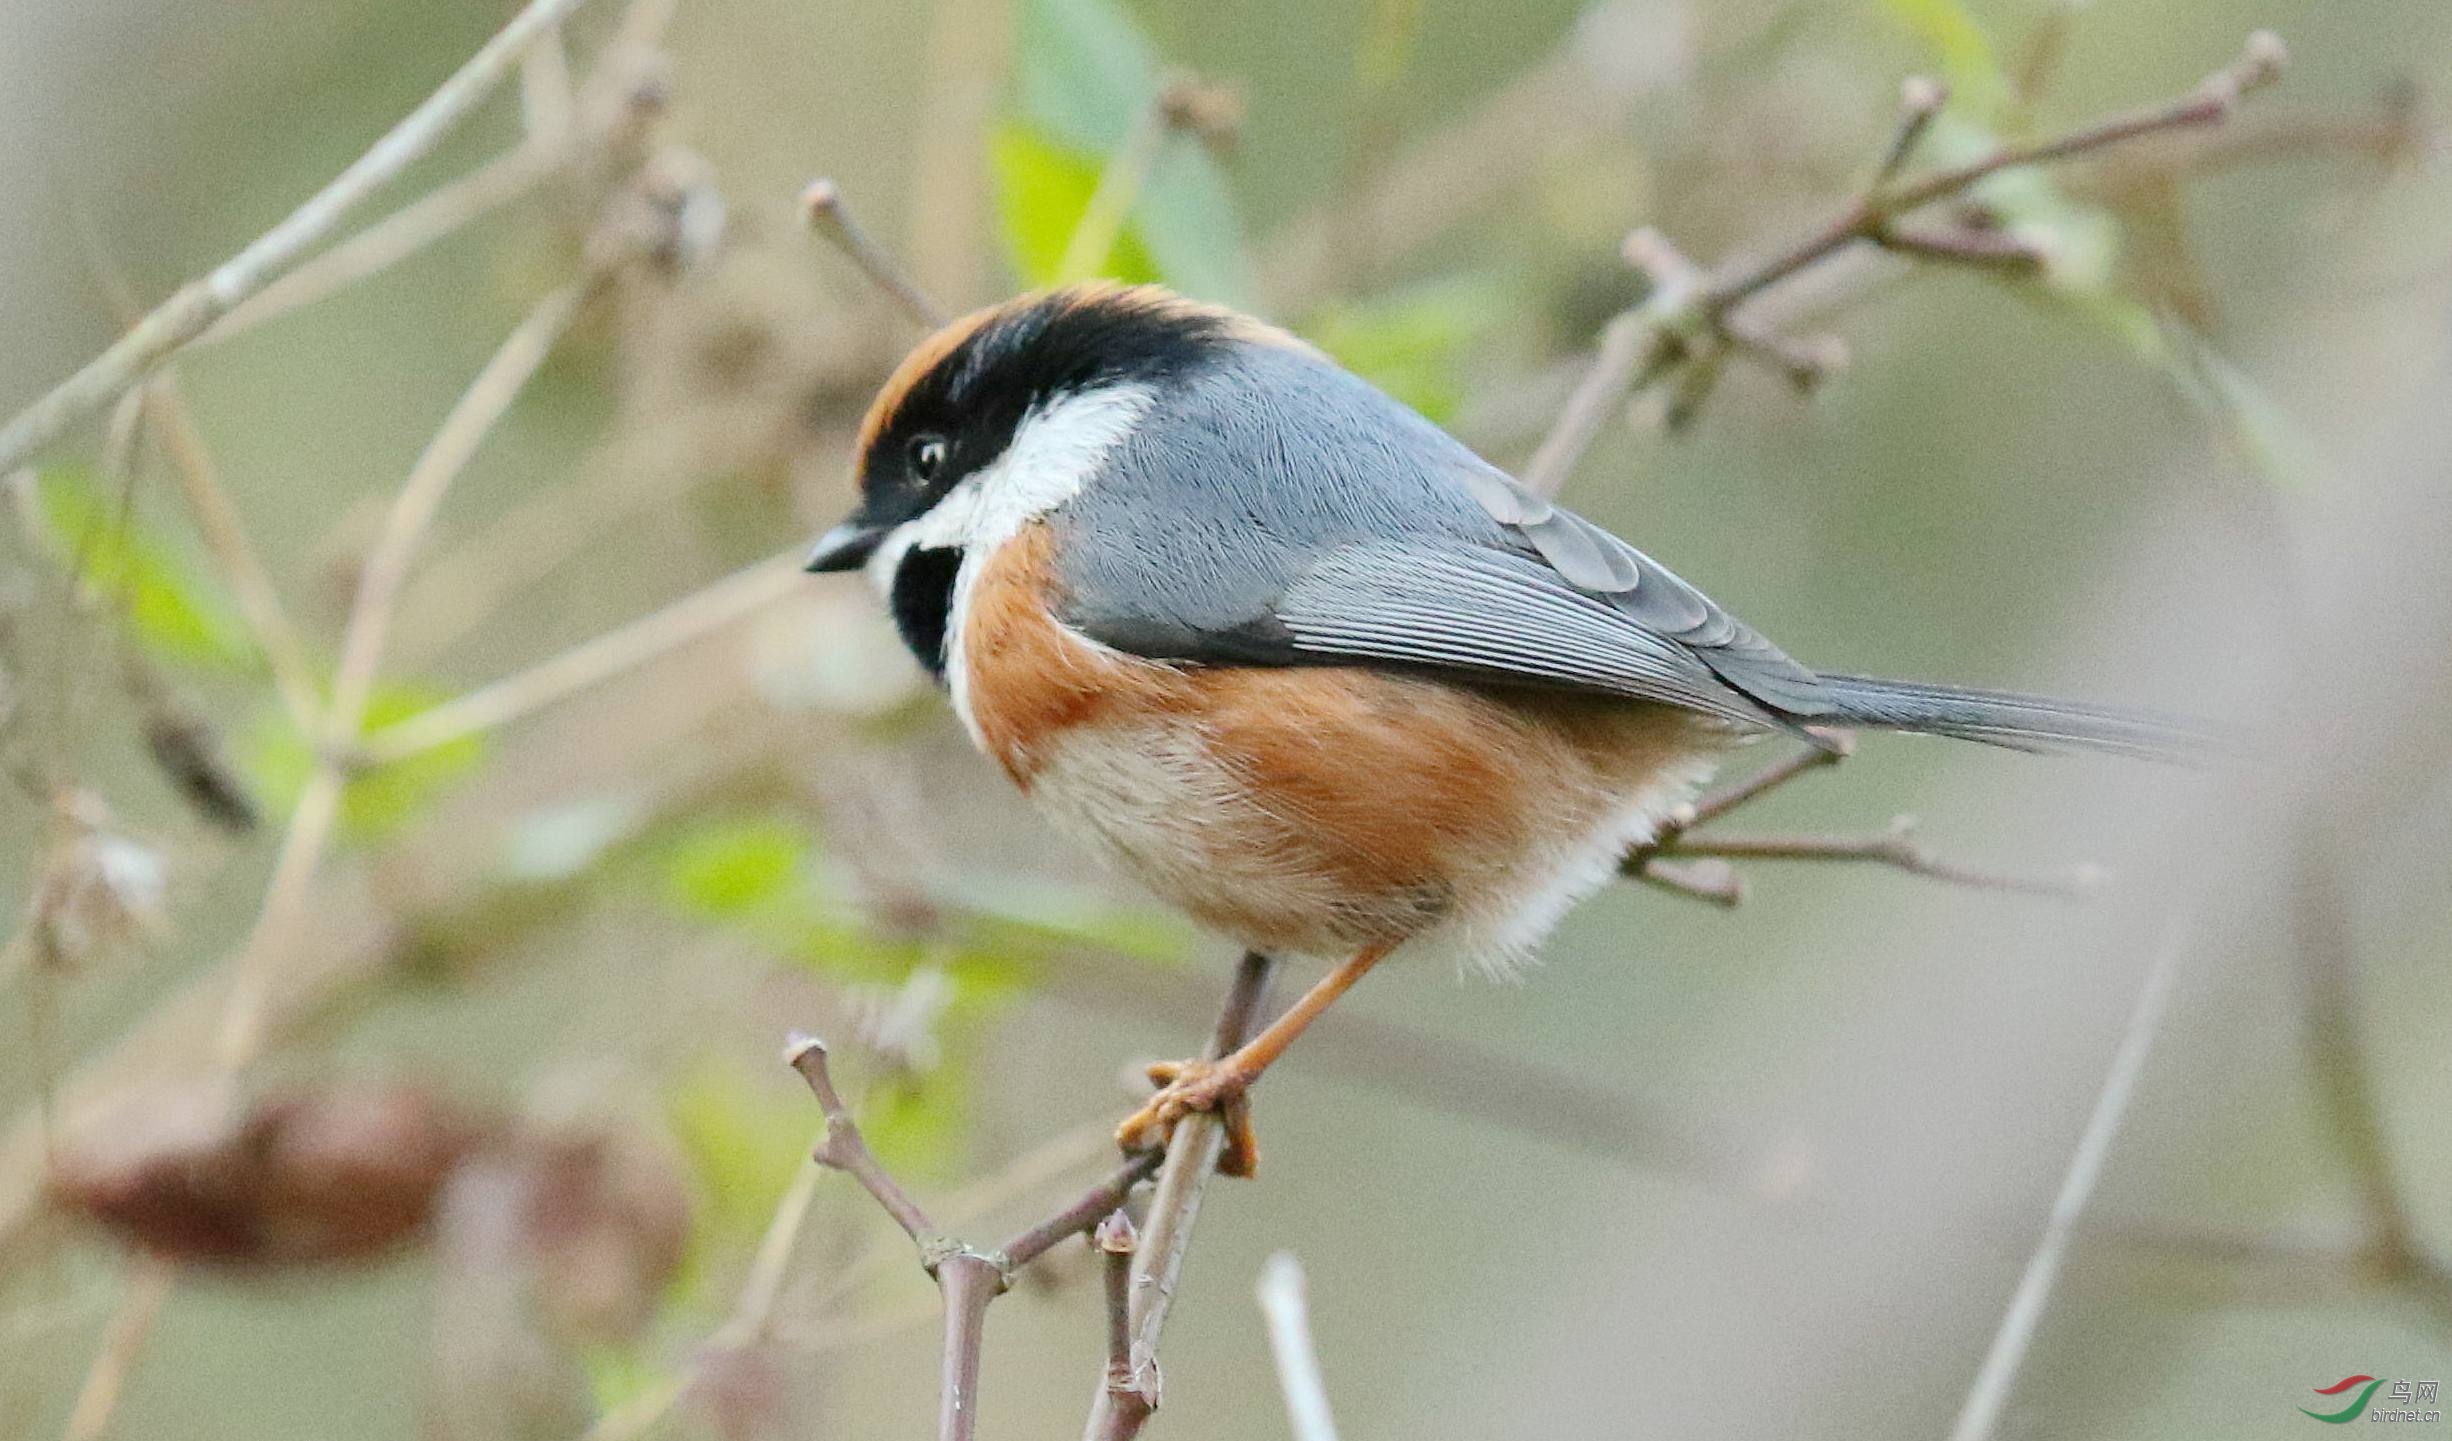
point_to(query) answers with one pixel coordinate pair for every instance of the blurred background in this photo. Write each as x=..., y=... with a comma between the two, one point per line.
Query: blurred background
x=1769, y=1170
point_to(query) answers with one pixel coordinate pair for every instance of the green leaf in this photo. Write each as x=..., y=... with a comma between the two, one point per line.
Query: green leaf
x=2080, y=243
x=375, y=802
x=620, y=1375
x=1413, y=344
x=171, y=609
x=1979, y=87
x=727, y=869
x=1042, y=190
x=1087, y=77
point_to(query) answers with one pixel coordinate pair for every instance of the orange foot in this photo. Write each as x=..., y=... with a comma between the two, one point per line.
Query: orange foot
x=1188, y=1086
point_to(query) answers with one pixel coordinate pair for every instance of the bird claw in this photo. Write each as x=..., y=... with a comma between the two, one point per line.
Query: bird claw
x=1187, y=1087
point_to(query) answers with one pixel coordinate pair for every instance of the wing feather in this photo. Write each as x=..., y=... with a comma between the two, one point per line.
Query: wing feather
x=1495, y=613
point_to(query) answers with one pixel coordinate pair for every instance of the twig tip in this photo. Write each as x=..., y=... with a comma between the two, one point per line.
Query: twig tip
x=799, y=1047
x=1115, y=1234
x=1922, y=95
x=2264, y=59
x=820, y=201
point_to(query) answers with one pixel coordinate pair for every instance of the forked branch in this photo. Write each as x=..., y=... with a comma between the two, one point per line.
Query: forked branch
x=195, y=306
x=968, y=1277
x=1695, y=865
x=1693, y=319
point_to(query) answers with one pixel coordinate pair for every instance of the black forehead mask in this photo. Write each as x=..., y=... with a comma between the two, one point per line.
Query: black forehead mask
x=1025, y=356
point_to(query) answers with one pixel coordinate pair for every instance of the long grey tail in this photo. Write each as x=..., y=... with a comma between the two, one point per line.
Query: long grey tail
x=2020, y=722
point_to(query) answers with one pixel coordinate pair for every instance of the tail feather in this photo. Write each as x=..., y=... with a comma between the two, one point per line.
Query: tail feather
x=2019, y=722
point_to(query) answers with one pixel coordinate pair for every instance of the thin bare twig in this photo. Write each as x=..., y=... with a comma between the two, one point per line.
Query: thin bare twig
x=1679, y=860
x=1283, y=1302
x=432, y=217
x=1120, y=1410
x=589, y=663
x=969, y=1278
x=1084, y=1214
x=225, y=536
x=1116, y=1239
x=757, y=1317
x=2345, y=1083
x=1993, y=1380
x=481, y=407
x=620, y=96
x=148, y=1288
x=823, y=208
x=1181, y=106
x=1895, y=847
x=162, y=404
x=1690, y=321
x=312, y=821
x=843, y=1148
x=195, y=306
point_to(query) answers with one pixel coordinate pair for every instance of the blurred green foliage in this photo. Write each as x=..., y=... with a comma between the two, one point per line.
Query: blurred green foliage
x=1085, y=78
x=1043, y=190
x=125, y=561
x=378, y=800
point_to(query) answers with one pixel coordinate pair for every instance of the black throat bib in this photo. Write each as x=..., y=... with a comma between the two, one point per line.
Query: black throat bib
x=923, y=603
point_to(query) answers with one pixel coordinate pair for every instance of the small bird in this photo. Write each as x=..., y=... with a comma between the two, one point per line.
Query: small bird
x=1299, y=662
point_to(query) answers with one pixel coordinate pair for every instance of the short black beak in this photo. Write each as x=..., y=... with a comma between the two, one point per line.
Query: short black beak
x=846, y=547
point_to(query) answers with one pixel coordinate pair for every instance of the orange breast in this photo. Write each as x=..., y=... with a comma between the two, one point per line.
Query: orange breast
x=1298, y=808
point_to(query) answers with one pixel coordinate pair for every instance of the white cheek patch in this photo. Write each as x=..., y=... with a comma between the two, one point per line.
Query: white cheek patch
x=1053, y=454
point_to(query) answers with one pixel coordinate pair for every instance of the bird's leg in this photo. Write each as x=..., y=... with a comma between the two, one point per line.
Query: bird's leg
x=1219, y=1085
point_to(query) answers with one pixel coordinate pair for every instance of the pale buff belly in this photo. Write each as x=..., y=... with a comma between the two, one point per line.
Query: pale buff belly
x=1318, y=810
x=1355, y=825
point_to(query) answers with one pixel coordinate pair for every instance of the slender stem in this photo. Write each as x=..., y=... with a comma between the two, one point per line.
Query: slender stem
x=1895, y=848
x=479, y=409
x=1116, y=1240
x=970, y=1282
x=2345, y=1082
x=1837, y=746
x=1993, y=1380
x=435, y=216
x=753, y=1315
x=148, y=1288
x=1688, y=320
x=1092, y=244
x=162, y=406
x=195, y=306
x=1120, y=1411
x=1679, y=860
x=843, y=1148
x=1099, y=1201
x=1963, y=245
x=1633, y=353
x=2209, y=104
x=285, y=653
x=587, y=664
x=1284, y=1304
x=822, y=206
x=1920, y=102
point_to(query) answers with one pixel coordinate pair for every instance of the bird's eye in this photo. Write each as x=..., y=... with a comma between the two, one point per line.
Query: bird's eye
x=927, y=456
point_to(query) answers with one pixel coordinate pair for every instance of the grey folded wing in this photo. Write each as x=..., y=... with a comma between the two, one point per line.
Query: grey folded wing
x=1330, y=525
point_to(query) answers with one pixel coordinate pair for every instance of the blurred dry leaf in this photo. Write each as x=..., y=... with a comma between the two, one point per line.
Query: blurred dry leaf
x=97, y=890
x=309, y=1178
